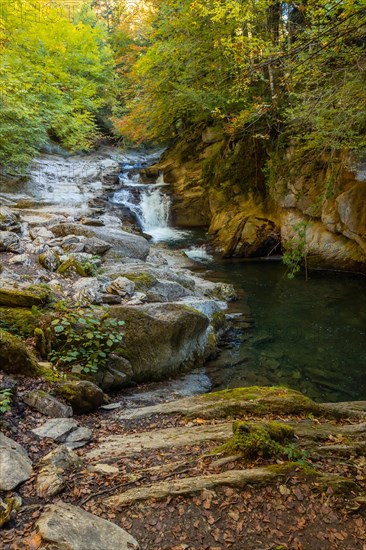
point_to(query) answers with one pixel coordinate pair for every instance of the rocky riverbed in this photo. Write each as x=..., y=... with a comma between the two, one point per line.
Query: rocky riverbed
x=85, y=466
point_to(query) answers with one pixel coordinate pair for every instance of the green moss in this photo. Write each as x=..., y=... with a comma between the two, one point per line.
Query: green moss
x=255, y=442
x=19, y=321
x=84, y=269
x=143, y=281
x=15, y=356
x=34, y=295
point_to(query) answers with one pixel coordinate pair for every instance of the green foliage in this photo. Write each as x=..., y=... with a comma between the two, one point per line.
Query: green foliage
x=296, y=252
x=56, y=74
x=84, y=339
x=6, y=397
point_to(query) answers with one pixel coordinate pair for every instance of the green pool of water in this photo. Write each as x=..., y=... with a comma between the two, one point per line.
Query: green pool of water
x=308, y=335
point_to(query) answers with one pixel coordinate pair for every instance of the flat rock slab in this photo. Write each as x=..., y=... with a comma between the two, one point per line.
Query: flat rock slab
x=65, y=430
x=57, y=428
x=67, y=526
x=169, y=437
x=190, y=485
x=15, y=465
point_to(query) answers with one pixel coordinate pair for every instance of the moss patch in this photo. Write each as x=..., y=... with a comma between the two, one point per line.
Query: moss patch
x=15, y=356
x=19, y=321
x=34, y=295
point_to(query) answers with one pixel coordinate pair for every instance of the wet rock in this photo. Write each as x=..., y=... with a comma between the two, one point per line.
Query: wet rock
x=122, y=286
x=55, y=466
x=57, y=429
x=15, y=465
x=49, y=260
x=15, y=356
x=64, y=525
x=9, y=242
x=47, y=404
x=83, y=396
x=9, y=221
x=96, y=246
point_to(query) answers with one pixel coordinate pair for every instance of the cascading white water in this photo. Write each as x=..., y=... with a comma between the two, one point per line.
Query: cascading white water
x=149, y=205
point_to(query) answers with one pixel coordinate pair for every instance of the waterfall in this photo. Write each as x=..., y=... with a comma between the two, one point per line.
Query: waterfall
x=148, y=204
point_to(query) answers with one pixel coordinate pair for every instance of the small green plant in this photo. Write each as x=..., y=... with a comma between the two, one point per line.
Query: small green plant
x=271, y=440
x=6, y=397
x=296, y=252
x=84, y=339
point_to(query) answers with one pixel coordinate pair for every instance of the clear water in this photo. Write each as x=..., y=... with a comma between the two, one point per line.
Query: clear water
x=307, y=335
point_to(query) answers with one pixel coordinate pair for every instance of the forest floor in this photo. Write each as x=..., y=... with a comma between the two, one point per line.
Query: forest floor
x=167, y=487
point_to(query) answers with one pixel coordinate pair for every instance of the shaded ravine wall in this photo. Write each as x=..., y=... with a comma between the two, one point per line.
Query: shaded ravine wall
x=254, y=201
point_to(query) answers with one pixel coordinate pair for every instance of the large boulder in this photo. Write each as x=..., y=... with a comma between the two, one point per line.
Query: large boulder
x=166, y=291
x=162, y=339
x=82, y=395
x=15, y=356
x=67, y=526
x=15, y=465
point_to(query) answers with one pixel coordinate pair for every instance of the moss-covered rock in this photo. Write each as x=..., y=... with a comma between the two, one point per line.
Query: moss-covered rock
x=34, y=295
x=162, y=339
x=259, y=400
x=83, y=396
x=15, y=356
x=19, y=321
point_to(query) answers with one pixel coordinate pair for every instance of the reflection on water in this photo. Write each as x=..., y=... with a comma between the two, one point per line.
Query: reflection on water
x=310, y=336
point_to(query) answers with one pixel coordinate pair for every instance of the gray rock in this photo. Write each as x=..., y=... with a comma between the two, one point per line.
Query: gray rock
x=124, y=245
x=67, y=526
x=15, y=465
x=51, y=479
x=111, y=299
x=122, y=286
x=83, y=396
x=87, y=291
x=163, y=338
x=41, y=233
x=116, y=374
x=9, y=221
x=20, y=259
x=79, y=438
x=57, y=429
x=49, y=260
x=9, y=242
x=96, y=246
x=166, y=291
x=47, y=404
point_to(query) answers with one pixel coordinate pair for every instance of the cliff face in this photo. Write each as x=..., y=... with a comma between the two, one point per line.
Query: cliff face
x=222, y=185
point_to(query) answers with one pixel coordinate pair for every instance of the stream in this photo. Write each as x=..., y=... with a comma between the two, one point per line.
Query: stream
x=307, y=335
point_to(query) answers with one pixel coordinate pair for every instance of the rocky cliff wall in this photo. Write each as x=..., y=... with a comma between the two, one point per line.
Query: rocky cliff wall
x=253, y=209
